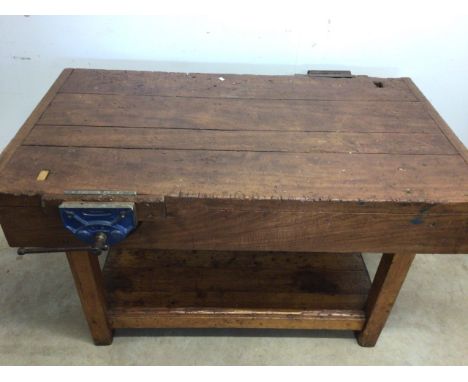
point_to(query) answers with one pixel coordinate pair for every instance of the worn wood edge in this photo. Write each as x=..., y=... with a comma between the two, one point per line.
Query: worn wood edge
x=235, y=318
x=216, y=74
x=245, y=201
x=443, y=126
x=29, y=124
x=155, y=210
x=228, y=77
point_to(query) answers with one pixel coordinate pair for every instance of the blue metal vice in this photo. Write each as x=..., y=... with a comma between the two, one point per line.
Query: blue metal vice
x=86, y=220
x=98, y=224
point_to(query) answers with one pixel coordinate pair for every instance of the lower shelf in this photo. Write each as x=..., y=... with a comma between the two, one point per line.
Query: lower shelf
x=195, y=289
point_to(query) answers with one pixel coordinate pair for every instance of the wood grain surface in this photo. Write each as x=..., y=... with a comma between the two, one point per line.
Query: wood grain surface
x=251, y=142
x=248, y=141
x=240, y=174
x=237, y=114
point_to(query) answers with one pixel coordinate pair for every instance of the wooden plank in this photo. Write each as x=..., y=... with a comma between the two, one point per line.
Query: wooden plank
x=238, y=114
x=88, y=280
x=33, y=118
x=221, y=279
x=226, y=299
x=257, y=141
x=235, y=260
x=192, y=226
x=144, y=292
x=149, y=209
x=388, y=280
x=255, y=319
x=289, y=231
x=240, y=175
x=446, y=130
x=235, y=86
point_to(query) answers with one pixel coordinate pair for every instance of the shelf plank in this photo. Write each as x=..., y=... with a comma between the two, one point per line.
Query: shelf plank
x=147, y=289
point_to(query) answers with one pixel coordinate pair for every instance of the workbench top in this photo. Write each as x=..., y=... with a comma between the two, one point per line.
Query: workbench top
x=237, y=137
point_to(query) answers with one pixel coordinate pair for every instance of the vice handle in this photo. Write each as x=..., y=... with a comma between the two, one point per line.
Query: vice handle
x=97, y=248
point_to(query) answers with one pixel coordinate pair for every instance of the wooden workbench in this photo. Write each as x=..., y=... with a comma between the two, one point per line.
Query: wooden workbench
x=255, y=195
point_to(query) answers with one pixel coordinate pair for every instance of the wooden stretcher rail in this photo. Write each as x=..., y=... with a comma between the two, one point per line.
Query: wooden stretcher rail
x=254, y=319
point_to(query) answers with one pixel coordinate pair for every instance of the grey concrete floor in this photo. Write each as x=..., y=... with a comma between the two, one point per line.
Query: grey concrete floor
x=41, y=323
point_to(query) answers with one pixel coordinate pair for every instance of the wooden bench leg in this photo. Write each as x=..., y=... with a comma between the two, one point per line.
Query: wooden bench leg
x=387, y=282
x=88, y=280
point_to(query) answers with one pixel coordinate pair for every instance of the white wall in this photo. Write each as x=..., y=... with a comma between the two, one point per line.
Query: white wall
x=428, y=43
